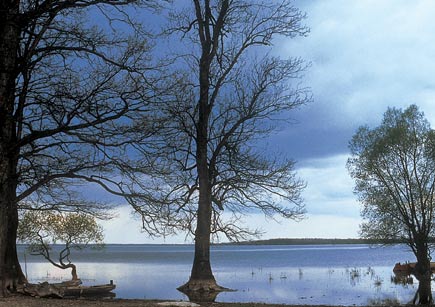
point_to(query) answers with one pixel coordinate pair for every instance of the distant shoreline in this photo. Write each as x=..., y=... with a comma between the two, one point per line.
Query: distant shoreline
x=277, y=241
x=312, y=241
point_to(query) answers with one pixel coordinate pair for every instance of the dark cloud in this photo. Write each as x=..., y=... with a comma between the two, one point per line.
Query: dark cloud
x=365, y=56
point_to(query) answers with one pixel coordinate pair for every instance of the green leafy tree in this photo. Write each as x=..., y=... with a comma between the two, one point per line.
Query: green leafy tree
x=394, y=169
x=42, y=229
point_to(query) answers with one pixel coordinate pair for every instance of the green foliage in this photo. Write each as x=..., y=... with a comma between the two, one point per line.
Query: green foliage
x=40, y=229
x=74, y=228
x=394, y=169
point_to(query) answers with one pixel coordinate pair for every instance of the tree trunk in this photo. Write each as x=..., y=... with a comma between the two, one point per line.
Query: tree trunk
x=423, y=273
x=202, y=286
x=201, y=278
x=10, y=271
x=423, y=296
x=73, y=271
x=11, y=274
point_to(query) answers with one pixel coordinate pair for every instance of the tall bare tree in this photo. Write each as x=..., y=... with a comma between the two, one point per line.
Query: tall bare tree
x=227, y=95
x=68, y=85
x=394, y=169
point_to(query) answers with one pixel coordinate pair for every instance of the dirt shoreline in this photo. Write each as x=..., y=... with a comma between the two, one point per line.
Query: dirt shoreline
x=21, y=301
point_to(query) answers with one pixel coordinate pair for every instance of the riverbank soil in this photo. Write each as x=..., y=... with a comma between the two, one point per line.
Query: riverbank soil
x=20, y=301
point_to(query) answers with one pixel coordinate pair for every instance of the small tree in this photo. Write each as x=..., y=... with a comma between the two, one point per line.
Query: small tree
x=42, y=229
x=394, y=169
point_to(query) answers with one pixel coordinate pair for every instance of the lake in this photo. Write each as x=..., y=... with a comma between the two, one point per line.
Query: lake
x=288, y=274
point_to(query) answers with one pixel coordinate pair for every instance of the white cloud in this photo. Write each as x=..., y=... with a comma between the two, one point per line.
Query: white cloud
x=366, y=55
x=332, y=210
x=125, y=228
x=329, y=187
x=315, y=226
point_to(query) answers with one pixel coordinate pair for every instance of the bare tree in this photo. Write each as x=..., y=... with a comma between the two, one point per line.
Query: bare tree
x=226, y=96
x=394, y=169
x=70, y=87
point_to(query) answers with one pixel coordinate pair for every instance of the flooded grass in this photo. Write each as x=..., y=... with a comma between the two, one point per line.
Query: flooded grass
x=308, y=275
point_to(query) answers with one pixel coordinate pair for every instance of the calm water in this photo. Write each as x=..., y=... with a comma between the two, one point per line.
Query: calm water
x=313, y=274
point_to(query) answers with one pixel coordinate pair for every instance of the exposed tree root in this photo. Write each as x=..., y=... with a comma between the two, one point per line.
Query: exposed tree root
x=8, y=286
x=43, y=290
x=202, y=290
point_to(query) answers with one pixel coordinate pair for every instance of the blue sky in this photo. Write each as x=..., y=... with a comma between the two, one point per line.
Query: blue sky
x=365, y=56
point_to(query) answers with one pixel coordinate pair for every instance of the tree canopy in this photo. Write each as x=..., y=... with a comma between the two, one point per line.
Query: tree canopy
x=73, y=75
x=394, y=169
x=227, y=94
x=217, y=122
x=43, y=229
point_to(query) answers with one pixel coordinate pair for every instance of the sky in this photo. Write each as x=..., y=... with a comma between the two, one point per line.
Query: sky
x=365, y=56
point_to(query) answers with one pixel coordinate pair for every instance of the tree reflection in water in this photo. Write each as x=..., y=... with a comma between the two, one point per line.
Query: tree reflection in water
x=402, y=279
x=423, y=294
x=204, y=296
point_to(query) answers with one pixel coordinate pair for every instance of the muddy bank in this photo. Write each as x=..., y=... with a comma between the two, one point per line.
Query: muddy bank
x=40, y=302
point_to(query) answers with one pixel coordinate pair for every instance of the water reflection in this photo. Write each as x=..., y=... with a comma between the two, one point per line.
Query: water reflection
x=402, y=279
x=423, y=295
x=201, y=296
x=355, y=276
x=310, y=276
x=384, y=302
x=343, y=286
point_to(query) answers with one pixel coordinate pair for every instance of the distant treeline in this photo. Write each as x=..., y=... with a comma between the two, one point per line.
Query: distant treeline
x=311, y=241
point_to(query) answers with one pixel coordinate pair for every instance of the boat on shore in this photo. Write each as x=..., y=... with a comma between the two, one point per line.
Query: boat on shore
x=70, y=289
x=407, y=267
x=90, y=291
